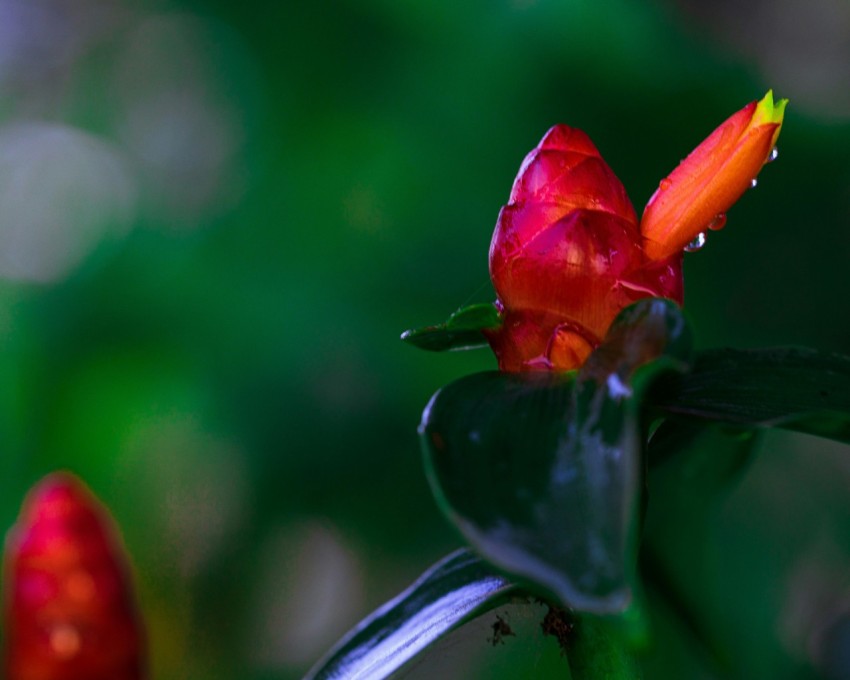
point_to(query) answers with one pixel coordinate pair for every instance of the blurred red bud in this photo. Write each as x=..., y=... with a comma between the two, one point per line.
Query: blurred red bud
x=69, y=612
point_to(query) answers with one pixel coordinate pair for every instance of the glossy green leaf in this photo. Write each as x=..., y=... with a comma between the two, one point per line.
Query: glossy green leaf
x=796, y=389
x=462, y=330
x=540, y=471
x=452, y=592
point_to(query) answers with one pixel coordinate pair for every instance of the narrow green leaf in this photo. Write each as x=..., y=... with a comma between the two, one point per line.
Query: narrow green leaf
x=797, y=389
x=462, y=330
x=540, y=471
x=453, y=591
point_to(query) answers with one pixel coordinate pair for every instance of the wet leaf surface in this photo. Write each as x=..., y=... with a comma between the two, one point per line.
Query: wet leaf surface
x=540, y=472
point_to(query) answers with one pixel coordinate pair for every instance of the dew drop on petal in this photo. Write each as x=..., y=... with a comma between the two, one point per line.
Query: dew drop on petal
x=718, y=222
x=773, y=155
x=753, y=183
x=697, y=243
x=65, y=640
x=664, y=184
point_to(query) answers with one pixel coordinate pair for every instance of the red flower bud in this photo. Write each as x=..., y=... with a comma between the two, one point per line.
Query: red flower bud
x=567, y=254
x=69, y=612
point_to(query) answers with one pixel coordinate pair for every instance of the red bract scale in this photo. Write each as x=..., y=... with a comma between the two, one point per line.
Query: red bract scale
x=568, y=253
x=68, y=608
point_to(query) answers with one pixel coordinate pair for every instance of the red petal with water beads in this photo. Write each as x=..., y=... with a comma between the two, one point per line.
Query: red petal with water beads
x=69, y=612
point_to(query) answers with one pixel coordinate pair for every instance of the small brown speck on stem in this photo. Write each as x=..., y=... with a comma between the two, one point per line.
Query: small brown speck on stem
x=501, y=630
x=558, y=623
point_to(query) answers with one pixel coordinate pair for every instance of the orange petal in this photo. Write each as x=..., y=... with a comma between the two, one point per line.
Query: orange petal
x=711, y=179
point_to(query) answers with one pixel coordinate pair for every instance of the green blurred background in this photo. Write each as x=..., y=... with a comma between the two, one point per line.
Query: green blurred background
x=217, y=217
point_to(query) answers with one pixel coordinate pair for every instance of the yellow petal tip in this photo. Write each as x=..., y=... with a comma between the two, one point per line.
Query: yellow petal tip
x=769, y=112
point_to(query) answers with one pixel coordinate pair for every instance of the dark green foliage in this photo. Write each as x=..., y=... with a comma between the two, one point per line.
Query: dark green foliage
x=541, y=474
x=788, y=387
x=540, y=471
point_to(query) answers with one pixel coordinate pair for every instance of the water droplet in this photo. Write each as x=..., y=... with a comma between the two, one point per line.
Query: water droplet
x=617, y=390
x=697, y=243
x=664, y=184
x=65, y=640
x=753, y=183
x=718, y=222
x=773, y=155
